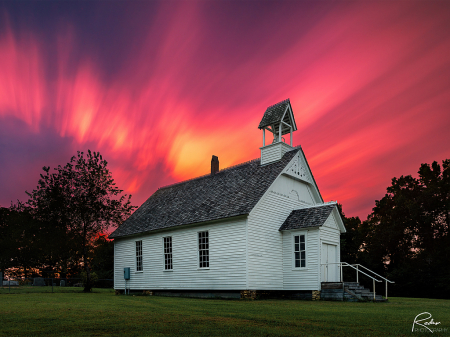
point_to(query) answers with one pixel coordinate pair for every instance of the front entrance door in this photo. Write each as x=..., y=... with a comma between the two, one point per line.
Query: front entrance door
x=329, y=268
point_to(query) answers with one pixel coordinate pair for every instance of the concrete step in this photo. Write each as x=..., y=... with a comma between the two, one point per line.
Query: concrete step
x=331, y=285
x=356, y=288
x=351, y=284
x=332, y=294
x=357, y=292
x=352, y=292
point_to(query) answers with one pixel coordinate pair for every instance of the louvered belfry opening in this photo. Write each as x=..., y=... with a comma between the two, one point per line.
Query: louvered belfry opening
x=214, y=165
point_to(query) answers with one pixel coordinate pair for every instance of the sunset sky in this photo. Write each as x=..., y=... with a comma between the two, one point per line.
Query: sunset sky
x=159, y=87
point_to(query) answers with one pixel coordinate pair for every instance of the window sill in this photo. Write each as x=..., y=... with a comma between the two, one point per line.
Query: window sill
x=169, y=270
x=300, y=269
x=139, y=272
x=202, y=268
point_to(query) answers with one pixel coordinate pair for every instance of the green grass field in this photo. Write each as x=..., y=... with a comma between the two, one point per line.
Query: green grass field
x=102, y=313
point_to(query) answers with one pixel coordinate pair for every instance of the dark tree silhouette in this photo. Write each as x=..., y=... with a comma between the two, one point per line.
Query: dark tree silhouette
x=80, y=200
x=408, y=233
x=103, y=260
x=19, y=241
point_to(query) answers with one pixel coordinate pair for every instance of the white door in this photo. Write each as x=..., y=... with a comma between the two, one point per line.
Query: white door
x=329, y=267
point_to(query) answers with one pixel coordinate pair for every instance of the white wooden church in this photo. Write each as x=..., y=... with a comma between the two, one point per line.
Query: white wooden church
x=258, y=226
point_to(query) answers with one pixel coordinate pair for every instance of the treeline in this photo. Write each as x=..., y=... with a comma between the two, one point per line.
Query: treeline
x=406, y=237
x=58, y=229
x=31, y=248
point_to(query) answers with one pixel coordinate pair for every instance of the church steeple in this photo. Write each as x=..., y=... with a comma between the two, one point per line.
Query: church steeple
x=279, y=120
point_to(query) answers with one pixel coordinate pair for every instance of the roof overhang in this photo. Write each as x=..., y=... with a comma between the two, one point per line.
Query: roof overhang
x=309, y=217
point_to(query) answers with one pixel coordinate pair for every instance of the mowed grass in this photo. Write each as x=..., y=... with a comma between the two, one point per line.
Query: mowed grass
x=102, y=313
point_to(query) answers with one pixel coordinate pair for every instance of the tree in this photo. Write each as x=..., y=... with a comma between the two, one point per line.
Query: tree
x=103, y=260
x=408, y=232
x=7, y=243
x=19, y=241
x=353, y=245
x=80, y=200
x=352, y=240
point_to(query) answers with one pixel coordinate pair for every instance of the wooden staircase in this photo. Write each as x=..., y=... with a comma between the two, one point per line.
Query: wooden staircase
x=348, y=291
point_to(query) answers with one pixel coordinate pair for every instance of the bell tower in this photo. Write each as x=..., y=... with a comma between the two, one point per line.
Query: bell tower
x=279, y=120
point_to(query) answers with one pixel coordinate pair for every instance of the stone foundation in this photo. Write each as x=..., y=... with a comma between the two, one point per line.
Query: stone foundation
x=316, y=295
x=231, y=294
x=276, y=294
x=248, y=295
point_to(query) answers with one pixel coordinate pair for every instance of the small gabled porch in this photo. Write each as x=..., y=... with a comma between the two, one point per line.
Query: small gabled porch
x=338, y=290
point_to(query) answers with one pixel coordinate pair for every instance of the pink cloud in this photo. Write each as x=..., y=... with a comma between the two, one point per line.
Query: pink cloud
x=368, y=82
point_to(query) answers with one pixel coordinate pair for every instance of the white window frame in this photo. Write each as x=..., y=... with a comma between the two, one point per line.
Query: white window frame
x=167, y=254
x=202, y=249
x=299, y=251
x=139, y=256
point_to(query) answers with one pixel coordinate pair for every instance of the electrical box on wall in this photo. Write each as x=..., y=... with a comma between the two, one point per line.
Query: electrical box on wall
x=126, y=273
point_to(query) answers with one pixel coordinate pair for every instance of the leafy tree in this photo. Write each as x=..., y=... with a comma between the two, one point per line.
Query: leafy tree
x=353, y=246
x=18, y=239
x=408, y=237
x=103, y=260
x=80, y=200
x=6, y=241
x=352, y=240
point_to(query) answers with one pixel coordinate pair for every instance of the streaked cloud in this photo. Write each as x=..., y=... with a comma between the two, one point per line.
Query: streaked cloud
x=368, y=81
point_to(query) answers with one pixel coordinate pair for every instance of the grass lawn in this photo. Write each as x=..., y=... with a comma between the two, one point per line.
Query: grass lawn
x=102, y=313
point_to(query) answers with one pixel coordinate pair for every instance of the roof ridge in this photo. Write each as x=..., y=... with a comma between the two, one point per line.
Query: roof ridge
x=182, y=182
x=208, y=174
x=283, y=101
x=245, y=162
x=224, y=169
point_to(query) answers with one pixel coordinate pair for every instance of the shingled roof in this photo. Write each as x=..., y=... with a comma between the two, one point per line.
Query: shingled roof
x=230, y=192
x=307, y=217
x=274, y=113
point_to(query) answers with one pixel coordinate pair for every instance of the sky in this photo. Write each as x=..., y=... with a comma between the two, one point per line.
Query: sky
x=159, y=87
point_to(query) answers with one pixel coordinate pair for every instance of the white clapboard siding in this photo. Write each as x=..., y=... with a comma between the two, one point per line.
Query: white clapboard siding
x=329, y=232
x=227, y=259
x=265, y=242
x=301, y=278
x=274, y=152
x=293, y=189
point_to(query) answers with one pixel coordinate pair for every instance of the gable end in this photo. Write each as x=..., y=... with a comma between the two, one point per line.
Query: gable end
x=308, y=217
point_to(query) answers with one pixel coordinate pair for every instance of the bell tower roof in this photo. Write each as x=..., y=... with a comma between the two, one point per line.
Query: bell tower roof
x=278, y=120
x=280, y=113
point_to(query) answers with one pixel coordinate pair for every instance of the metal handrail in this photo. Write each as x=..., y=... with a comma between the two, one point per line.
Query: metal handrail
x=349, y=265
x=385, y=279
x=360, y=265
x=342, y=264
